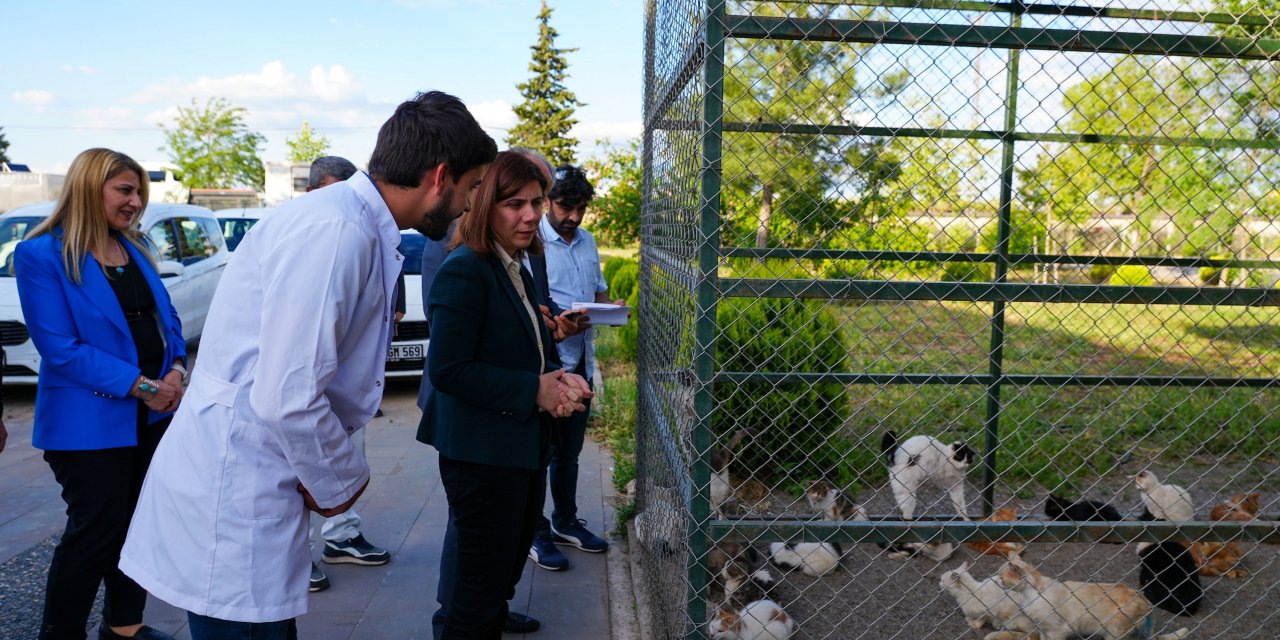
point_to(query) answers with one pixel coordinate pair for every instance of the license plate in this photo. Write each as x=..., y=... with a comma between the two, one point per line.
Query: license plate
x=400, y=352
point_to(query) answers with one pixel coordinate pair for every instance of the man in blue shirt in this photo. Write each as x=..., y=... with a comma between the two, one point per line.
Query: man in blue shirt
x=573, y=275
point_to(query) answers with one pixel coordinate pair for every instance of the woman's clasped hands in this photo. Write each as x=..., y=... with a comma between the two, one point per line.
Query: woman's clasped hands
x=561, y=393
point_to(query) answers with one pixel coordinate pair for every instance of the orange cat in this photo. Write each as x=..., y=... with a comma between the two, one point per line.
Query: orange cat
x=1003, y=549
x=1223, y=558
x=1240, y=507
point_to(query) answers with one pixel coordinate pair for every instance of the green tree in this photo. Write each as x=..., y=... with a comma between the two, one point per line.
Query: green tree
x=615, y=211
x=819, y=184
x=213, y=148
x=306, y=145
x=546, y=113
x=4, y=147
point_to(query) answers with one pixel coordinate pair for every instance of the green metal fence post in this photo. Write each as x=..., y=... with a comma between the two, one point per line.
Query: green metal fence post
x=995, y=366
x=707, y=296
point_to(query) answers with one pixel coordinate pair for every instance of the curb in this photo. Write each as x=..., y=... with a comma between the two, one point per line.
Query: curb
x=643, y=607
x=623, y=622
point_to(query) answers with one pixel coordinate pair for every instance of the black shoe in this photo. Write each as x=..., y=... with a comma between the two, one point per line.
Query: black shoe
x=378, y=413
x=354, y=551
x=520, y=623
x=319, y=581
x=145, y=633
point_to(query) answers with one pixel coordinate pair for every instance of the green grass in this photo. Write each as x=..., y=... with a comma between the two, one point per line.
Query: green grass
x=616, y=423
x=1060, y=438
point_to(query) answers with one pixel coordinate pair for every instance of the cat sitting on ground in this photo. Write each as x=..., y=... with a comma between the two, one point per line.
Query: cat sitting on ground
x=1164, y=501
x=815, y=559
x=985, y=602
x=1223, y=558
x=738, y=574
x=1168, y=577
x=721, y=458
x=760, y=620
x=833, y=503
x=1003, y=549
x=1058, y=508
x=1062, y=610
x=921, y=459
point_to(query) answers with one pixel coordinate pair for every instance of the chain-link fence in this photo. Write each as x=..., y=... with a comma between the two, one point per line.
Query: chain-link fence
x=921, y=276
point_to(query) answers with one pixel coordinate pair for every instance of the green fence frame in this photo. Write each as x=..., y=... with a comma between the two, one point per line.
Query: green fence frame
x=704, y=62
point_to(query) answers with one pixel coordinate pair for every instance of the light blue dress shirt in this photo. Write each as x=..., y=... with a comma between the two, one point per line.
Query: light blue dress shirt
x=573, y=275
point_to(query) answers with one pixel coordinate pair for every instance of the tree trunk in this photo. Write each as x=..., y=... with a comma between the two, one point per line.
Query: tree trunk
x=766, y=213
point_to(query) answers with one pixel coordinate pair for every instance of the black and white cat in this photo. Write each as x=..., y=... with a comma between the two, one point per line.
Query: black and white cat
x=918, y=459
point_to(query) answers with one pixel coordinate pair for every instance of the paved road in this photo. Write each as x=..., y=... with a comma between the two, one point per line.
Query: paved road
x=403, y=509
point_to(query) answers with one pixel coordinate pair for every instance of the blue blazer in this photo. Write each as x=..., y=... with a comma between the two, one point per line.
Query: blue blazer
x=483, y=363
x=88, y=361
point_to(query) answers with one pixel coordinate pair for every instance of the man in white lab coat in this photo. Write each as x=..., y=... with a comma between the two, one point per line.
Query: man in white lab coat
x=291, y=362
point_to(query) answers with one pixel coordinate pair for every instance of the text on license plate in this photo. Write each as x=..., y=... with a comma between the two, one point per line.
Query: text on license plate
x=404, y=352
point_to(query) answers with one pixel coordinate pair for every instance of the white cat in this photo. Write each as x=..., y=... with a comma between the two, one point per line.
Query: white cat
x=1164, y=501
x=815, y=559
x=760, y=620
x=923, y=458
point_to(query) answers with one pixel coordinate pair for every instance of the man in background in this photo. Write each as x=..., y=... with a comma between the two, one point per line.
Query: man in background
x=573, y=275
x=343, y=541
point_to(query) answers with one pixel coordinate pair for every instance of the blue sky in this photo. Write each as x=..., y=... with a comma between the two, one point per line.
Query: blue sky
x=79, y=74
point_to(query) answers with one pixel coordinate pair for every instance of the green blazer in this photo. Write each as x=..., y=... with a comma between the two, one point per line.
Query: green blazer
x=484, y=366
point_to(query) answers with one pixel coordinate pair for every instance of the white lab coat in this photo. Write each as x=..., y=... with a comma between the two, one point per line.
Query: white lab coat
x=291, y=362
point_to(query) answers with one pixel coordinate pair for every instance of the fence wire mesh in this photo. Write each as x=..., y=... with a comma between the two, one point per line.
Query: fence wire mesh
x=959, y=319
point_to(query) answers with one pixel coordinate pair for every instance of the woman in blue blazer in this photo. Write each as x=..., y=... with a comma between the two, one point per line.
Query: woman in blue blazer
x=112, y=363
x=493, y=388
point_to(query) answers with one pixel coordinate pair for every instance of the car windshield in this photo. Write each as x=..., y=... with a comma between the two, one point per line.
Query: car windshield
x=233, y=229
x=411, y=245
x=12, y=231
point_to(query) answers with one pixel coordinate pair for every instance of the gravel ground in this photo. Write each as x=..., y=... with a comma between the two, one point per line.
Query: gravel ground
x=874, y=597
x=22, y=592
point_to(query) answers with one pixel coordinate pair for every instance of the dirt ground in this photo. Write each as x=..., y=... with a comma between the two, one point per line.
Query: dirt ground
x=874, y=597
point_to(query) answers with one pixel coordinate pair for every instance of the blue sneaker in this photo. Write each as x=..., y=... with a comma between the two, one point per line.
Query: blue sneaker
x=576, y=535
x=546, y=555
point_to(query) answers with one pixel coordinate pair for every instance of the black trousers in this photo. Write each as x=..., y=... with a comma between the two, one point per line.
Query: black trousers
x=101, y=488
x=494, y=510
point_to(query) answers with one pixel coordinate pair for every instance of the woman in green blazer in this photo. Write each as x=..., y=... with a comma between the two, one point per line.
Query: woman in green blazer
x=494, y=387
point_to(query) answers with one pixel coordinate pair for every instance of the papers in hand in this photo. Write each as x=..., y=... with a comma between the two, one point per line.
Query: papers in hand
x=604, y=313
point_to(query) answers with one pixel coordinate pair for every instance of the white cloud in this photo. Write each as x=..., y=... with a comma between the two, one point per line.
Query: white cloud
x=493, y=114
x=77, y=68
x=36, y=97
x=272, y=83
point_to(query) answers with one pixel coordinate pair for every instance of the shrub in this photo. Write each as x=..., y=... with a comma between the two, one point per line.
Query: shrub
x=611, y=267
x=1132, y=275
x=624, y=281
x=799, y=425
x=1100, y=273
x=1262, y=278
x=629, y=333
x=968, y=272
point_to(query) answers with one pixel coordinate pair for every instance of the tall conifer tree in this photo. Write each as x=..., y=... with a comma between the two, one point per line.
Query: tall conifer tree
x=546, y=114
x=4, y=147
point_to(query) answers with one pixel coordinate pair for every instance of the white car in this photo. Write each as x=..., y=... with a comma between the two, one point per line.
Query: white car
x=191, y=255
x=408, y=354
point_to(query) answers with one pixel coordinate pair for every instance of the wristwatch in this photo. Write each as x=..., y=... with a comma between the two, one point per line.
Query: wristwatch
x=186, y=377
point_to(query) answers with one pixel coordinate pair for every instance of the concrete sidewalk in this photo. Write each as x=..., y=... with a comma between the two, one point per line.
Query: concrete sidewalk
x=404, y=510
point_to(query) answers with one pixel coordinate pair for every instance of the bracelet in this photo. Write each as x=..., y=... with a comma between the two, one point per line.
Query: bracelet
x=148, y=387
x=180, y=369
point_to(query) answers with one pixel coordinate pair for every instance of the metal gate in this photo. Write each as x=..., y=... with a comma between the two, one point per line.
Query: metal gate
x=1046, y=231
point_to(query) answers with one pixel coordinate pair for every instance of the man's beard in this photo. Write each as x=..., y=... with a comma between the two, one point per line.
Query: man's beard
x=436, y=223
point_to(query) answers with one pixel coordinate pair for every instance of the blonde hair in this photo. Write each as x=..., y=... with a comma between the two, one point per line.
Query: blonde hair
x=80, y=210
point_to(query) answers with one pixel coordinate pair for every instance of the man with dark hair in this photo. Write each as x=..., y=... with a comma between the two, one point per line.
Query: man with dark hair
x=343, y=541
x=291, y=363
x=573, y=275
